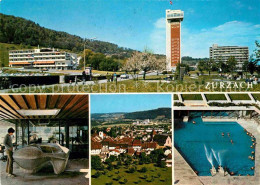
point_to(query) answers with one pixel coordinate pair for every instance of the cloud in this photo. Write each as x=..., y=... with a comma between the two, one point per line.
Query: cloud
x=230, y=33
x=197, y=43
x=158, y=36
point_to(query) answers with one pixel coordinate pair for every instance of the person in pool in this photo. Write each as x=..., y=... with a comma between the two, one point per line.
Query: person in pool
x=228, y=134
x=232, y=173
x=194, y=122
x=252, y=152
x=231, y=141
x=222, y=134
x=252, y=168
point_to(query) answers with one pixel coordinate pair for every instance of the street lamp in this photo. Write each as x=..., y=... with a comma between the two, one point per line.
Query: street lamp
x=84, y=51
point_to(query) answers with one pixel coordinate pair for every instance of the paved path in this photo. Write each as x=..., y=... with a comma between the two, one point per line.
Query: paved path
x=183, y=173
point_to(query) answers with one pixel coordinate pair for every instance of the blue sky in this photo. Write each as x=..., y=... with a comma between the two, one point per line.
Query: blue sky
x=140, y=23
x=128, y=102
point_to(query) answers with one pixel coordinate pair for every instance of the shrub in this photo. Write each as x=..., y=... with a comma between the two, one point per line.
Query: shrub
x=143, y=169
x=97, y=174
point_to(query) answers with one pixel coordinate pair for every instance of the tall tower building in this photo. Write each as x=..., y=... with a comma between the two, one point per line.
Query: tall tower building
x=173, y=38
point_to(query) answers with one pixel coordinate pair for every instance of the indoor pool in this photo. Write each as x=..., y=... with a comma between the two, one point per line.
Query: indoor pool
x=202, y=145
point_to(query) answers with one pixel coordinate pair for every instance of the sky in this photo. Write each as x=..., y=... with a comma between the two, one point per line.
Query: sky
x=138, y=24
x=128, y=102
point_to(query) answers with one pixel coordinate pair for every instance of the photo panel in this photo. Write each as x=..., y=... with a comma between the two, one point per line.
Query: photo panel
x=216, y=138
x=131, y=139
x=49, y=141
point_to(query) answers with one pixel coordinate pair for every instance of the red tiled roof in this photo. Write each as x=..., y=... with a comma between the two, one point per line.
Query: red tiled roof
x=137, y=143
x=116, y=151
x=149, y=145
x=130, y=151
x=95, y=145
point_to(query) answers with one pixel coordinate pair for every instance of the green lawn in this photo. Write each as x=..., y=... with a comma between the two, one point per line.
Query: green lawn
x=191, y=97
x=128, y=86
x=215, y=97
x=136, y=177
x=256, y=96
x=239, y=97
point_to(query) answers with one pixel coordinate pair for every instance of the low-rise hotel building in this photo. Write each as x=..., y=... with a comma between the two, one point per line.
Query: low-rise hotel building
x=44, y=58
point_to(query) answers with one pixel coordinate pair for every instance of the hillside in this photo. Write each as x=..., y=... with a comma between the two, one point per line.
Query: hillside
x=149, y=114
x=4, y=51
x=191, y=61
x=16, y=30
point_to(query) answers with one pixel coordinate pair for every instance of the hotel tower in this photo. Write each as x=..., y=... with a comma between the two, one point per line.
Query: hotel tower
x=173, y=38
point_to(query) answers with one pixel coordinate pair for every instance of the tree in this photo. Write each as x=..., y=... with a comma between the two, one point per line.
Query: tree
x=232, y=64
x=209, y=65
x=88, y=55
x=132, y=169
x=161, y=163
x=245, y=67
x=144, y=62
x=201, y=66
x=257, y=51
x=143, y=169
x=96, y=163
x=252, y=66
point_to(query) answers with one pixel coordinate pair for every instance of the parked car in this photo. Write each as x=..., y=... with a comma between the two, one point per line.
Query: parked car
x=124, y=76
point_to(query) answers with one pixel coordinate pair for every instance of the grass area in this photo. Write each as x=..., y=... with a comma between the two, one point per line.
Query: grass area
x=191, y=97
x=161, y=176
x=256, y=96
x=128, y=86
x=106, y=72
x=215, y=97
x=239, y=97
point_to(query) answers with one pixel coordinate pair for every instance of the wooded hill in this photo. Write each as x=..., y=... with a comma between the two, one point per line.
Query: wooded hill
x=148, y=114
x=16, y=30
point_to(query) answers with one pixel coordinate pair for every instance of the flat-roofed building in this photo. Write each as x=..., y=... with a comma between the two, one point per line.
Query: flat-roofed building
x=44, y=58
x=222, y=53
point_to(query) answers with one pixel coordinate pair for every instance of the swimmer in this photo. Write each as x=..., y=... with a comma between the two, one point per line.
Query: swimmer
x=228, y=134
x=252, y=158
x=232, y=173
x=222, y=133
x=249, y=157
x=247, y=133
x=251, y=146
x=193, y=122
x=253, y=140
x=254, y=144
x=252, y=168
x=252, y=152
x=231, y=141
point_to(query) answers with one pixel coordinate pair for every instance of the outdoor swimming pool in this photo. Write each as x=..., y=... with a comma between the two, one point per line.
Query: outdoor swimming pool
x=202, y=145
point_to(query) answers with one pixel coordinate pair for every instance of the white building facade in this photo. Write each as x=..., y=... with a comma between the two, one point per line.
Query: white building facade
x=44, y=58
x=222, y=53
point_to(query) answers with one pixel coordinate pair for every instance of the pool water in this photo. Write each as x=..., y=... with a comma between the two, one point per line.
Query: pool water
x=202, y=145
